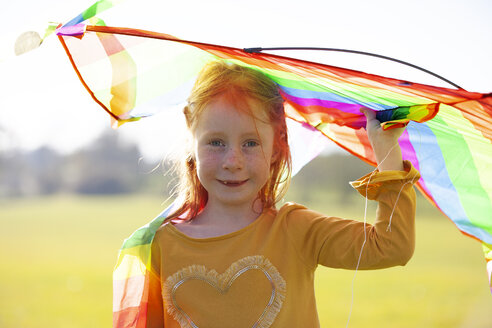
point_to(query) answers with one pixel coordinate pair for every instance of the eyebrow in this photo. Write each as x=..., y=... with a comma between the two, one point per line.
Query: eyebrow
x=252, y=134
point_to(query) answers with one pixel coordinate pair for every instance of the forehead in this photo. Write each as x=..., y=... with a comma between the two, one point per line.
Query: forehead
x=222, y=113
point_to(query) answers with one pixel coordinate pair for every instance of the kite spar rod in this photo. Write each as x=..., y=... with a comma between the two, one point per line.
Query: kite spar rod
x=143, y=33
x=260, y=49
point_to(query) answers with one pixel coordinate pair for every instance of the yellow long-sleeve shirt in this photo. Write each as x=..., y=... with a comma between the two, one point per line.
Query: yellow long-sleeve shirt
x=263, y=274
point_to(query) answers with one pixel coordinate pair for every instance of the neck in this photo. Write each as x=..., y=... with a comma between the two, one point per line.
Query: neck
x=236, y=215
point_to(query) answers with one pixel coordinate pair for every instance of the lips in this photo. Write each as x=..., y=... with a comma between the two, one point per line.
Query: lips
x=232, y=183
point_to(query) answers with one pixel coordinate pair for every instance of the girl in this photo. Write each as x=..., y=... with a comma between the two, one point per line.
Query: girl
x=227, y=257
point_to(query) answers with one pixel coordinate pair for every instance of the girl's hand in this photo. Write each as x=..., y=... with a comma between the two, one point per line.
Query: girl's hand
x=384, y=143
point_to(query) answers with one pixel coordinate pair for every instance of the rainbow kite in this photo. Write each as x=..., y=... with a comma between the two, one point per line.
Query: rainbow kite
x=134, y=73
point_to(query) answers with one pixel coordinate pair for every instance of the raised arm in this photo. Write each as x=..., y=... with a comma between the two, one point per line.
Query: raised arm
x=337, y=242
x=384, y=143
x=390, y=240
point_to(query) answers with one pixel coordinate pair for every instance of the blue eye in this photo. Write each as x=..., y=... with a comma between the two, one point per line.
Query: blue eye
x=252, y=143
x=216, y=143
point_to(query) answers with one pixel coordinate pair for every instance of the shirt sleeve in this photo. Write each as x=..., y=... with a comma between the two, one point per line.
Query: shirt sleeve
x=338, y=243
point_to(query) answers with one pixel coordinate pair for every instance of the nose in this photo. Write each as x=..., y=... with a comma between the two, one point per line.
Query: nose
x=233, y=159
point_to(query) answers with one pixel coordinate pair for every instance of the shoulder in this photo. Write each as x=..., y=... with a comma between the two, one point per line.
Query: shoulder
x=292, y=213
x=293, y=209
x=162, y=231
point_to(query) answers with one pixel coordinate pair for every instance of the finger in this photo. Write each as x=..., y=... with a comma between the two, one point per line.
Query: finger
x=371, y=120
x=369, y=113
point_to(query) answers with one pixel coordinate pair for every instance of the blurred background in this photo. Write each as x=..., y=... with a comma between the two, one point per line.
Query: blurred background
x=71, y=188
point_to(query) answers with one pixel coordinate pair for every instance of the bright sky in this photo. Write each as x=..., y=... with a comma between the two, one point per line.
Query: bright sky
x=43, y=103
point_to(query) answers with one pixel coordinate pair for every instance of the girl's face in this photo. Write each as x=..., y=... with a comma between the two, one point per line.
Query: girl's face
x=233, y=153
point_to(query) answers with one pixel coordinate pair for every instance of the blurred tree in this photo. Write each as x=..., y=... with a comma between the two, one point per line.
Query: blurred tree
x=107, y=166
x=330, y=172
x=10, y=167
x=44, y=165
x=111, y=166
x=103, y=167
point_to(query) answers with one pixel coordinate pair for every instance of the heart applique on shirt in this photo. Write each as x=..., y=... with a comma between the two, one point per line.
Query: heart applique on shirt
x=251, y=284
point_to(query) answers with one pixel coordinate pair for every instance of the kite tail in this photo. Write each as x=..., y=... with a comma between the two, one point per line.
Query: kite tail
x=131, y=276
x=96, y=8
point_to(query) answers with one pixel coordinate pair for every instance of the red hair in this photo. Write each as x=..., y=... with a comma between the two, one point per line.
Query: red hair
x=237, y=84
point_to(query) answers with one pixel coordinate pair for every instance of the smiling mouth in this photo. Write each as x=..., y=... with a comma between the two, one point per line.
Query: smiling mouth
x=230, y=183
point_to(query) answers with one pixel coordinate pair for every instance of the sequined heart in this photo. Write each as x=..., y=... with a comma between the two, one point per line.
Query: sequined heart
x=222, y=283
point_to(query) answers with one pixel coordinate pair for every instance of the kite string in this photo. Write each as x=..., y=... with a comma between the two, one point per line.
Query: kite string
x=388, y=228
x=412, y=181
x=365, y=231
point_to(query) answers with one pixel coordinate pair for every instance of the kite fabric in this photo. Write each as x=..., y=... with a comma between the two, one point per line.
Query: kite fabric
x=134, y=73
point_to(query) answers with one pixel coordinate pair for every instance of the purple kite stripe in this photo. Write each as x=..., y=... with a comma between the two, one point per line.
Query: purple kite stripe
x=71, y=30
x=330, y=96
x=408, y=152
x=344, y=107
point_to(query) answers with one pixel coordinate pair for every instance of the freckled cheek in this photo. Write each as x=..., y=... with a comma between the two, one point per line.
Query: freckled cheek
x=257, y=162
x=208, y=161
x=260, y=166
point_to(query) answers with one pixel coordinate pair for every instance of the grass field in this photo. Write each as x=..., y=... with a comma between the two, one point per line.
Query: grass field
x=57, y=256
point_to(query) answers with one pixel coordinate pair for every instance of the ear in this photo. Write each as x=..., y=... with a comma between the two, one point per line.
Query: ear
x=187, y=114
